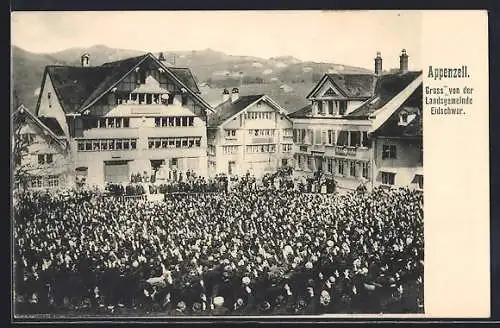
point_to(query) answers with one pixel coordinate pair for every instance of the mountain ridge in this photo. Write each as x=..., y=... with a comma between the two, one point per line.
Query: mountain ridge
x=215, y=69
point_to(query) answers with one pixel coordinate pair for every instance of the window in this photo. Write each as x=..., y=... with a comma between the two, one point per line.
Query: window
x=388, y=151
x=184, y=121
x=320, y=107
x=184, y=99
x=45, y=159
x=330, y=165
x=230, y=149
x=177, y=121
x=352, y=169
x=190, y=121
x=126, y=122
x=158, y=121
x=404, y=117
x=342, y=138
x=342, y=107
x=330, y=107
x=355, y=139
x=310, y=163
x=300, y=162
x=388, y=178
x=52, y=181
x=288, y=132
x=331, y=137
x=341, y=167
x=49, y=99
x=287, y=148
x=230, y=133
x=27, y=138
x=364, y=139
x=36, y=182
x=364, y=170
x=419, y=179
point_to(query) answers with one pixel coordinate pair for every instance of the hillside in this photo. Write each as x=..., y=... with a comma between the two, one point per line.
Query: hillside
x=215, y=68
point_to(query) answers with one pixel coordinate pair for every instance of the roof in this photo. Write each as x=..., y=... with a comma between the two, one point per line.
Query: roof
x=227, y=109
x=79, y=87
x=386, y=88
x=73, y=85
x=350, y=85
x=52, y=124
x=301, y=113
x=391, y=128
x=117, y=70
x=186, y=76
x=22, y=110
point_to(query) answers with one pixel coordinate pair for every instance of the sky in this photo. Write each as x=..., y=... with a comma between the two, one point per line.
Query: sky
x=342, y=37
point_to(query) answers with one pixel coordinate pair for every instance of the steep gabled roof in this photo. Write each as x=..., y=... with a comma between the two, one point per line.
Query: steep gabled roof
x=73, y=85
x=53, y=125
x=117, y=71
x=391, y=127
x=55, y=135
x=77, y=88
x=228, y=108
x=186, y=76
x=350, y=85
x=386, y=88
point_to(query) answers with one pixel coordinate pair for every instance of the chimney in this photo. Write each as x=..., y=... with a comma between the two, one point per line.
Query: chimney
x=378, y=64
x=225, y=95
x=85, y=60
x=161, y=57
x=235, y=94
x=403, y=61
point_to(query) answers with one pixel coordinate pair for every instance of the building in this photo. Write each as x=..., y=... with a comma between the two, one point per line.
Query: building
x=248, y=134
x=333, y=134
x=131, y=116
x=42, y=158
x=397, y=145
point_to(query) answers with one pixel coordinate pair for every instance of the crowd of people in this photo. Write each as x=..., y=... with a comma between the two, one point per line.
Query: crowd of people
x=250, y=251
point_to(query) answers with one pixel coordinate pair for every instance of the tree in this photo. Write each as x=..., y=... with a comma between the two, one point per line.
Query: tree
x=21, y=174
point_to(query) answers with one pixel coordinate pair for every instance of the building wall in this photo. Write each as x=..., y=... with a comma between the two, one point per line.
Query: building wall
x=329, y=155
x=239, y=148
x=141, y=129
x=406, y=165
x=52, y=107
x=61, y=167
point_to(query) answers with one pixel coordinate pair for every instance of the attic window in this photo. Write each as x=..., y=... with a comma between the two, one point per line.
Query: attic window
x=49, y=98
x=404, y=117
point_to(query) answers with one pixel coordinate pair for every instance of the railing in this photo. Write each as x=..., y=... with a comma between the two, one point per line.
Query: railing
x=347, y=150
x=264, y=140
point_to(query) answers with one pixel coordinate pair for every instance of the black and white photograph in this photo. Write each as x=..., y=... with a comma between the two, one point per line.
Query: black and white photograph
x=203, y=164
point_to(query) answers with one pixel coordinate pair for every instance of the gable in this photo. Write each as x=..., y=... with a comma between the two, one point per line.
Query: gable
x=126, y=74
x=328, y=90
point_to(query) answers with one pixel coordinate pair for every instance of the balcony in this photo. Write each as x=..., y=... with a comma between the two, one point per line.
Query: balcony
x=263, y=140
x=352, y=151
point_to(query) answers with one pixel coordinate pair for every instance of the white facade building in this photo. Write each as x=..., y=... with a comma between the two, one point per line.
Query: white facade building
x=249, y=134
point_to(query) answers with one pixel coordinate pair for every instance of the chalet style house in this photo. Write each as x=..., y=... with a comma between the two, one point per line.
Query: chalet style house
x=137, y=115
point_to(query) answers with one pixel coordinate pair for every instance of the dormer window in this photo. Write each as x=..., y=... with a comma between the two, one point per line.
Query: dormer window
x=406, y=117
